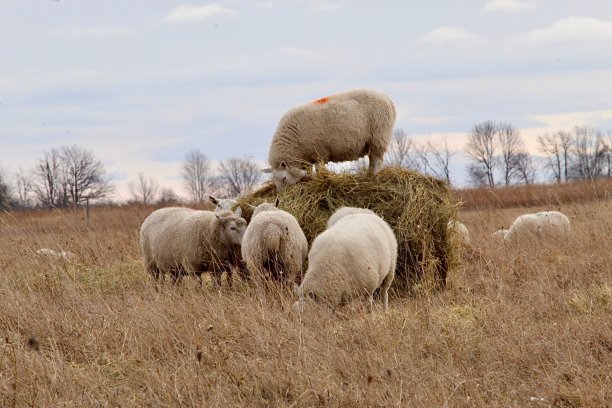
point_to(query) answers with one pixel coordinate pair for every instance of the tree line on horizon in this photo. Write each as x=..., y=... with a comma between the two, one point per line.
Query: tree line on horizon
x=71, y=176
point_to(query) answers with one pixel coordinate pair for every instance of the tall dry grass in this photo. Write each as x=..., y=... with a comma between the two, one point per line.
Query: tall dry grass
x=515, y=328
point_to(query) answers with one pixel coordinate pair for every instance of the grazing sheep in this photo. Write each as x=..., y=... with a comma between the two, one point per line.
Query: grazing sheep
x=274, y=244
x=225, y=204
x=500, y=234
x=49, y=253
x=548, y=225
x=336, y=128
x=183, y=241
x=460, y=232
x=344, y=211
x=354, y=257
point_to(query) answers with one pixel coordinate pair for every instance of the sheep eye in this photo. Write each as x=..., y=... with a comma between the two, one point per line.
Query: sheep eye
x=234, y=229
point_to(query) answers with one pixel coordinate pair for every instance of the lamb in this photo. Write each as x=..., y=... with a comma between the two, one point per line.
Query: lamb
x=49, y=253
x=353, y=257
x=344, y=211
x=274, y=245
x=183, y=241
x=460, y=232
x=225, y=204
x=336, y=128
x=547, y=225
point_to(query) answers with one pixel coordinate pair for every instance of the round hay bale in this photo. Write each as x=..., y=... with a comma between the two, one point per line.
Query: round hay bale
x=417, y=208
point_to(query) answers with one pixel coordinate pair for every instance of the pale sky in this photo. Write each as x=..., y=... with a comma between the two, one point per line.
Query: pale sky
x=142, y=82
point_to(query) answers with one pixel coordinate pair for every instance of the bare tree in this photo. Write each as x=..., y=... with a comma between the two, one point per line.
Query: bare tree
x=402, y=151
x=589, y=152
x=167, y=196
x=240, y=175
x=511, y=145
x=609, y=154
x=84, y=175
x=196, y=175
x=144, y=189
x=435, y=158
x=481, y=148
x=48, y=178
x=25, y=186
x=525, y=169
x=556, y=147
x=5, y=192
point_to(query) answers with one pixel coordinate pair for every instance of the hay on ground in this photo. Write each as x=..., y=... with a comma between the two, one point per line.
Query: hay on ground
x=416, y=207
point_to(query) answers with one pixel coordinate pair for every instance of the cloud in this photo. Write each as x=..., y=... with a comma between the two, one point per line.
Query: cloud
x=448, y=35
x=93, y=32
x=508, y=6
x=570, y=29
x=190, y=13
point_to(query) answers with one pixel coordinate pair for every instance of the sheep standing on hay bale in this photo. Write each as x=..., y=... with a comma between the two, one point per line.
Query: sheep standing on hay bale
x=336, y=128
x=183, y=241
x=352, y=258
x=545, y=226
x=417, y=207
x=274, y=245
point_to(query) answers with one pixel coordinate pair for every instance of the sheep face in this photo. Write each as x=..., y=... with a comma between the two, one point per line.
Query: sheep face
x=284, y=175
x=233, y=227
x=225, y=204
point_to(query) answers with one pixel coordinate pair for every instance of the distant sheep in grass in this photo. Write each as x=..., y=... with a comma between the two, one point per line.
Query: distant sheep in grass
x=500, y=235
x=182, y=241
x=274, y=245
x=352, y=258
x=344, y=211
x=550, y=226
x=460, y=233
x=336, y=128
x=51, y=254
x=226, y=204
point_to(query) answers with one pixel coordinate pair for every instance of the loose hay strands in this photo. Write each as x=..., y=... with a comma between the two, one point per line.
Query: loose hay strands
x=417, y=207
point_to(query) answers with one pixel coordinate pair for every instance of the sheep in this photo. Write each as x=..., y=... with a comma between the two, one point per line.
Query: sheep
x=344, y=211
x=500, y=234
x=353, y=257
x=460, y=233
x=274, y=245
x=49, y=253
x=336, y=128
x=226, y=204
x=548, y=225
x=183, y=241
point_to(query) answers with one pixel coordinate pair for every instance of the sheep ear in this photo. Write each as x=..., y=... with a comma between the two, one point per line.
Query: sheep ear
x=213, y=200
x=268, y=170
x=283, y=165
x=277, y=202
x=239, y=211
x=222, y=220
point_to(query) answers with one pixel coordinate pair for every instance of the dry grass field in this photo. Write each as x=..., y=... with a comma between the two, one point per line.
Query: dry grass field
x=515, y=328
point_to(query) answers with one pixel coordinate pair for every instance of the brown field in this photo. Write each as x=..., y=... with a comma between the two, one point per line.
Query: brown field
x=515, y=328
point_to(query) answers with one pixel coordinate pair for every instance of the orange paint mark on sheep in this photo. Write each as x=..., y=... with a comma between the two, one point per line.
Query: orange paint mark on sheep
x=322, y=100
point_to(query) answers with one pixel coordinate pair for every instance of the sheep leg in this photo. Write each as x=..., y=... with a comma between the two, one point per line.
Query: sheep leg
x=384, y=288
x=375, y=164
